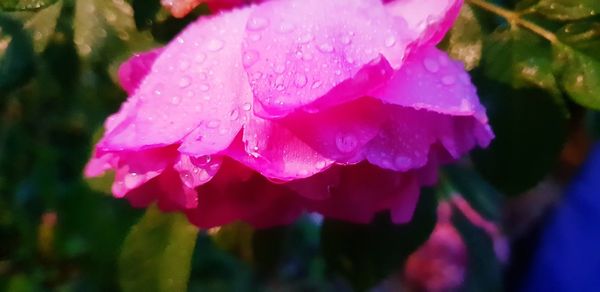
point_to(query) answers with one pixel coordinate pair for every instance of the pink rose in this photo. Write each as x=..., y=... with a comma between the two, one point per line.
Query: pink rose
x=343, y=107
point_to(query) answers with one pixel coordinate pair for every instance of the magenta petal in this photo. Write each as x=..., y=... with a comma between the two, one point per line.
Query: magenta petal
x=363, y=190
x=429, y=19
x=134, y=70
x=196, y=171
x=276, y=152
x=310, y=52
x=195, y=84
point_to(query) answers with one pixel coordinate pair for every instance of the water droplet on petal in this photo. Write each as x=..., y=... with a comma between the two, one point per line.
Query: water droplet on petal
x=317, y=84
x=133, y=180
x=390, y=41
x=279, y=68
x=247, y=106
x=257, y=23
x=200, y=57
x=184, y=82
x=431, y=65
x=326, y=48
x=286, y=27
x=305, y=38
x=300, y=80
x=201, y=161
x=175, y=100
x=346, y=143
x=234, y=114
x=448, y=80
x=204, y=87
x=214, y=45
x=249, y=58
x=345, y=40
x=187, y=178
x=213, y=124
x=320, y=164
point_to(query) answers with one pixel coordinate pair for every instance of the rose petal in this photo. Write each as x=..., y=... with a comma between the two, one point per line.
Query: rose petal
x=194, y=85
x=306, y=59
x=227, y=198
x=275, y=152
x=134, y=70
x=429, y=19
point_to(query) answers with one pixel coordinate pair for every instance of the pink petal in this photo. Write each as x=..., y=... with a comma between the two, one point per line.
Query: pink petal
x=228, y=198
x=275, y=152
x=180, y=8
x=429, y=19
x=310, y=52
x=194, y=84
x=363, y=190
x=196, y=171
x=134, y=70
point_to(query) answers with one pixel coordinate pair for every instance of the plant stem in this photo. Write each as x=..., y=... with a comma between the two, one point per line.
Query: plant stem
x=515, y=19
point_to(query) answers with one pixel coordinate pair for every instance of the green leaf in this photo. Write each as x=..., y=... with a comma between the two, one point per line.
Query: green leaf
x=520, y=59
x=23, y=5
x=367, y=253
x=464, y=42
x=144, y=12
x=157, y=253
x=16, y=55
x=579, y=75
x=41, y=25
x=530, y=128
x=568, y=9
x=473, y=188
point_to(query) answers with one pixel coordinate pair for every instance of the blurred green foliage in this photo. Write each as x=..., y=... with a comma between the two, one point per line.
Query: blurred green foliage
x=536, y=64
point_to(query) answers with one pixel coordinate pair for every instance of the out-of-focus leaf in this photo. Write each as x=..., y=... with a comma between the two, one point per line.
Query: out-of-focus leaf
x=157, y=253
x=367, y=253
x=465, y=40
x=484, y=270
x=20, y=5
x=235, y=238
x=530, y=128
x=480, y=194
x=42, y=25
x=521, y=59
x=96, y=21
x=579, y=75
x=16, y=55
x=568, y=9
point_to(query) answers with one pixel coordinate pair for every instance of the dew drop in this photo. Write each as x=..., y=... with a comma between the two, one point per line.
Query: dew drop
x=184, y=65
x=448, y=80
x=234, y=114
x=175, y=100
x=345, y=40
x=249, y=58
x=317, y=84
x=199, y=58
x=204, y=87
x=201, y=161
x=390, y=41
x=286, y=27
x=346, y=143
x=326, y=48
x=300, y=80
x=187, y=178
x=214, y=45
x=247, y=106
x=257, y=23
x=132, y=180
x=320, y=165
x=184, y=82
x=213, y=124
x=431, y=65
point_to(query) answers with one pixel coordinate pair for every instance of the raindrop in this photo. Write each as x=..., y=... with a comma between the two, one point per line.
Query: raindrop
x=320, y=165
x=390, y=41
x=317, y=84
x=249, y=58
x=204, y=87
x=213, y=124
x=247, y=106
x=175, y=100
x=286, y=27
x=326, y=48
x=215, y=45
x=257, y=23
x=200, y=57
x=234, y=114
x=345, y=40
x=300, y=80
x=431, y=65
x=187, y=178
x=184, y=82
x=346, y=143
x=201, y=161
x=448, y=80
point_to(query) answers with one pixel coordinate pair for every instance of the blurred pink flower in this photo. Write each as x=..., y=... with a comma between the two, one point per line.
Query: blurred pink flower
x=343, y=107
